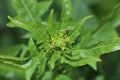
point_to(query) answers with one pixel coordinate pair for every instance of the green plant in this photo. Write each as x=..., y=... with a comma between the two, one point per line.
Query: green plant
x=56, y=46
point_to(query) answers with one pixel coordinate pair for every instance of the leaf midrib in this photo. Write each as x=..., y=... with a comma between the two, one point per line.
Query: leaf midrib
x=28, y=11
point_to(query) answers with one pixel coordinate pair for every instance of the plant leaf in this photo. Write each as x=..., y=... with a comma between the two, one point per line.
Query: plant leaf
x=66, y=14
x=83, y=41
x=102, y=34
x=30, y=67
x=80, y=62
x=103, y=47
x=62, y=77
x=32, y=48
x=48, y=75
x=29, y=17
x=30, y=10
x=77, y=30
x=18, y=22
x=93, y=65
x=6, y=69
x=55, y=56
x=11, y=58
x=42, y=66
x=66, y=10
x=38, y=32
x=13, y=50
x=51, y=29
x=11, y=64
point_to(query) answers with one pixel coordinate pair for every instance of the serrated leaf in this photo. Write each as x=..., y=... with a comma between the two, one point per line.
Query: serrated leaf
x=77, y=30
x=29, y=18
x=55, y=56
x=30, y=67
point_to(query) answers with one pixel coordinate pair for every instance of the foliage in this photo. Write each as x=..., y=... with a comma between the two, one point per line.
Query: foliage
x=55, y=44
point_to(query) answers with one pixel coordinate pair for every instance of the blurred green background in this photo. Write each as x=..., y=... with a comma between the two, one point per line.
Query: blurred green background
x=109, y=69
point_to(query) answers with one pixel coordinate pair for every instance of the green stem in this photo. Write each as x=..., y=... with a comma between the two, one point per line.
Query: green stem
x=45, y=52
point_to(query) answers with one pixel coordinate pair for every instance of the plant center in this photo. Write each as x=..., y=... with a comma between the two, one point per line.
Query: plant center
x=60, y=41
